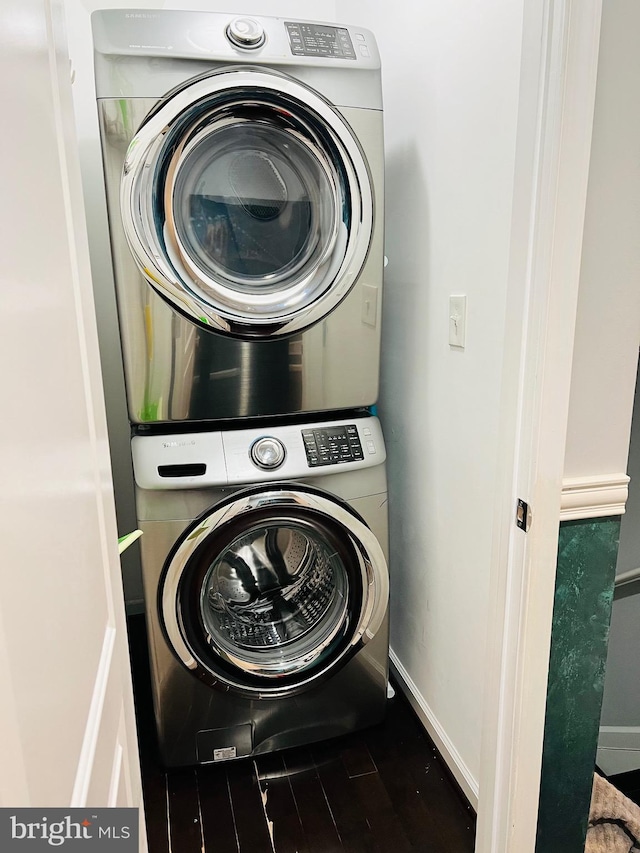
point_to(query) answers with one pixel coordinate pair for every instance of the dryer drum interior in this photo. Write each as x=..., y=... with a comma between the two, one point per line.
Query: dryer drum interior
x=270, y=602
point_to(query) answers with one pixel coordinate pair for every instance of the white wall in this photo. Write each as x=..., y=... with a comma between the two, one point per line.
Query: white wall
x=629, y=551
x=606, y=352
x=451, y=74
x=621, y=701
x=78, y=14
x=608, y=320
x=612, y=259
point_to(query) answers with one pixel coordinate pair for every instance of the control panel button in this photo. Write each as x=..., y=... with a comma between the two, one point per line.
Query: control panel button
x=267, y=453
x=246, y=32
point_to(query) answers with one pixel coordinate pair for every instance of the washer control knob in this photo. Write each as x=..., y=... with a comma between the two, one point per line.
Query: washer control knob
x=246, y=32
x=267, y=453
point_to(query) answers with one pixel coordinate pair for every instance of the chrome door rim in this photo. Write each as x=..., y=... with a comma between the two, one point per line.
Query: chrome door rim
x=372, y=567
x=159, y=258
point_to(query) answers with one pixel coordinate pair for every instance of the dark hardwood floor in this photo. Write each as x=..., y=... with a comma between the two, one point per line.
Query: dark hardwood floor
x=382, y=790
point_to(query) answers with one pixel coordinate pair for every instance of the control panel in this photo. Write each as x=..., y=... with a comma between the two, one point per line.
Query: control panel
x=120, y=34
x=234, y=456
x=320, y=40
x=332, y=445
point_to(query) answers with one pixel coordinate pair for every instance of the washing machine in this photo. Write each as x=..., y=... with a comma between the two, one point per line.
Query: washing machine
x=243, y=164
x=264, y=565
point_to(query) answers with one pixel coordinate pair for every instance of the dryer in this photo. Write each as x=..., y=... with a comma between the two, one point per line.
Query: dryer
x=266, y=585
x=243, y=162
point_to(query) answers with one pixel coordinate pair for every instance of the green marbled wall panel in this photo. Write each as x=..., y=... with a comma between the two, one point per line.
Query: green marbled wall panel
x=587, y=552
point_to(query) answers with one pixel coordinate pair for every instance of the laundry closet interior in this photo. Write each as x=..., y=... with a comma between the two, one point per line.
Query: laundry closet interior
x=291, y=420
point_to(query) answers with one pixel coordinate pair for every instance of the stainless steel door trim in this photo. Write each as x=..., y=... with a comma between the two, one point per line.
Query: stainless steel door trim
x=371, y=560
x=202, y=304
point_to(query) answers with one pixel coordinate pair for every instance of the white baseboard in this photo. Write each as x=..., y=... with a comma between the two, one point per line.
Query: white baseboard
x=447, y=750
x=618, y=749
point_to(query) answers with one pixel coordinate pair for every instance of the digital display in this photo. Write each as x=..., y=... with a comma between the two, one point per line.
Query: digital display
x=320, y=40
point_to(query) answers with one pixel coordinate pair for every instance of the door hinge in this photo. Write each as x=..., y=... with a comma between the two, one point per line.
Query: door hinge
x=523, y=515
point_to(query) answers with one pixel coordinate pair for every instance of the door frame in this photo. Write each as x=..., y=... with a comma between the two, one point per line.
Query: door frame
x=557, y=95
x=77, y=719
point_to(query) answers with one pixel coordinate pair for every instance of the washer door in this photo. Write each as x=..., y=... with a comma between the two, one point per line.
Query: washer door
x=271, y=590
x=247, y=204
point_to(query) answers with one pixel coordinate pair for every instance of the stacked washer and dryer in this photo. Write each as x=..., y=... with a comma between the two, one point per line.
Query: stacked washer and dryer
x=243, y=165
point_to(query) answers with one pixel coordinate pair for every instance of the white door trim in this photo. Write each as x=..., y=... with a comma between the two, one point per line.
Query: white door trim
x=94, y=720
x=558, y=80
x=14, y=784
x=595, y=496
x=61, y=560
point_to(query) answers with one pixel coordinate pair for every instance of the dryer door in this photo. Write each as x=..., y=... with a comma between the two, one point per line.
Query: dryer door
x=247, y=203
x=272, y=590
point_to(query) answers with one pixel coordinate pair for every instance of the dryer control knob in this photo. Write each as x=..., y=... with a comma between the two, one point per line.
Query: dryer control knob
x=267, y=453
x=246, y=32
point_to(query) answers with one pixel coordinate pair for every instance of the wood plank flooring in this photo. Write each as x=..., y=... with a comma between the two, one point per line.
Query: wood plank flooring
x=382, y=790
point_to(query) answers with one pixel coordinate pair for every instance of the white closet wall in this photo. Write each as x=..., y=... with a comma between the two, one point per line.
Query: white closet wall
x=451, y=74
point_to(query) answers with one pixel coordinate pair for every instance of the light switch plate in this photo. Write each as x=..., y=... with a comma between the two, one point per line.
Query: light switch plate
x=457, y=321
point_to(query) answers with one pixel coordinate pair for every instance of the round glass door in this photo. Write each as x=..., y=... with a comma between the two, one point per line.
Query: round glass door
x=271, y=591
x=274, y=596
x=253, y=208
x=247, y=204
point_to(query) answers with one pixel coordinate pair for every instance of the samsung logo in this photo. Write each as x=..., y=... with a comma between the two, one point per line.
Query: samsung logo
x=178, y=443
x=139, y=15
